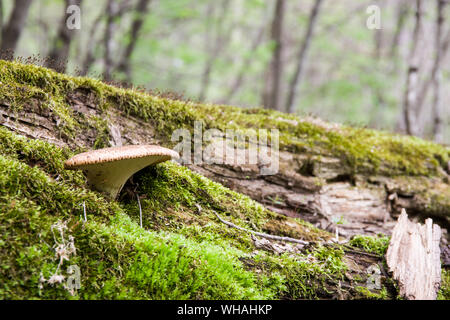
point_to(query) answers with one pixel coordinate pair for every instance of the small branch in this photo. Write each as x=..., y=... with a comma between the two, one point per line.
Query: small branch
x=84, y=212
x=262, y=235
x=349, y=249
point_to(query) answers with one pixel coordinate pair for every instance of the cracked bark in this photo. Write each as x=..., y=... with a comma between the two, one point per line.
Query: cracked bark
x=413, y=258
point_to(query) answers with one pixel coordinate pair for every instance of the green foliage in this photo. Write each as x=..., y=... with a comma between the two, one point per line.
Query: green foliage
x=369, y=295
x=444, y=291
x=348, y=77
x=332, y=259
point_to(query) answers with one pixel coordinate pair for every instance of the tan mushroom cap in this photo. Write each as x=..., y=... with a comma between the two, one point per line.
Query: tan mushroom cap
x=108, y=169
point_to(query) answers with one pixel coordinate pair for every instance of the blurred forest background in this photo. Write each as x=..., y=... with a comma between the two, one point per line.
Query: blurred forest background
x=314, y=57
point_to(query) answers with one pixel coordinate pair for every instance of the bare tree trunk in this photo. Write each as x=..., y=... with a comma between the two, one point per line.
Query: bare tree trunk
x=378, y=39
x=89, y=59
x=238, y=81
x=402, y=13
x=12, y=31
x=59, y=54
x=111, y=11
x=273, y=77
x=423, y=93
x=114, y=10
x=141, y=11
x=378, y=36
x=293, y=87
x=219, y=42
x=412, y=77
x=438, y=128
x=1, y=19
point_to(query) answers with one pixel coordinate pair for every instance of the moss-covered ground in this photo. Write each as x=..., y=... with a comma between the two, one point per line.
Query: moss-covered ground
x=182, y=251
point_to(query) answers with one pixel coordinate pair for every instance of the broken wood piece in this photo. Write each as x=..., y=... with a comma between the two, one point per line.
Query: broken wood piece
x=413, y=256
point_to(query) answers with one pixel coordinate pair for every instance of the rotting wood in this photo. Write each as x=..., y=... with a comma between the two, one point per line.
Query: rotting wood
x=262, y=235
x=413, y=257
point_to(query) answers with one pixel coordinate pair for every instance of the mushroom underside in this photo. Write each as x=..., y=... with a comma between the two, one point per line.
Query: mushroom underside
x=110, y=177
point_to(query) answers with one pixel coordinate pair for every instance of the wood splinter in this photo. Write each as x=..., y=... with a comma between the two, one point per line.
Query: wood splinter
x=413, y=257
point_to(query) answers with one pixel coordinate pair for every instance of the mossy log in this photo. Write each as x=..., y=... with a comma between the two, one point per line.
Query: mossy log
x=327, y=174
x=319, y=184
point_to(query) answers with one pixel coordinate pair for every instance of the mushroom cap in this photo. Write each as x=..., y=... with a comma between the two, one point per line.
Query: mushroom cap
x=118, y=153
x=108, y=169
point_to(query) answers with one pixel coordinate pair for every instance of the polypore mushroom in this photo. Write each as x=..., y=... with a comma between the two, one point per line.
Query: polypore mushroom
x=108, y=169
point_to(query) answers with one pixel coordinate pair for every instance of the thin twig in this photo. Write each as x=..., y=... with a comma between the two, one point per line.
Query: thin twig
x=84, y=211
x=140, y=209
x=262, y=235
x=349, y=249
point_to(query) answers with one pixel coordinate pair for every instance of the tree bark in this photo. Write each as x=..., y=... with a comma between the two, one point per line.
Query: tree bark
x=438, y=125
x=410, y=98
x=89, y=58
x=402, y=13
x=59, y=54
x=111, y=11
x=294, y=84
x=141, y=11
x=271, y=94
x=1, y=19
x=378, y=36
x=413, y=257
x=12, y=31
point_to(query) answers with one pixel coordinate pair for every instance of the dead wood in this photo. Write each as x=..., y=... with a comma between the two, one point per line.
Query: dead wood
x=413, y=257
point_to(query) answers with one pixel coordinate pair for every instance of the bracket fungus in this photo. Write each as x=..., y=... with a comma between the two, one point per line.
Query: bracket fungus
x=108, y=169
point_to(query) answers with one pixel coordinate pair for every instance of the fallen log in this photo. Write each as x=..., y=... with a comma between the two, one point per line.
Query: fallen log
x=413, y=256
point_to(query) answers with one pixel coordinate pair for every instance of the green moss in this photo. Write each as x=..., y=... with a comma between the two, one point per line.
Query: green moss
x=178, y=267
x=182, y=252
x=312, y=275
x=444, y=290
x=102, y=139
x=331, y=257
x=177, y=199
x=116, y=257
x=40, y=154
x=377, y=245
